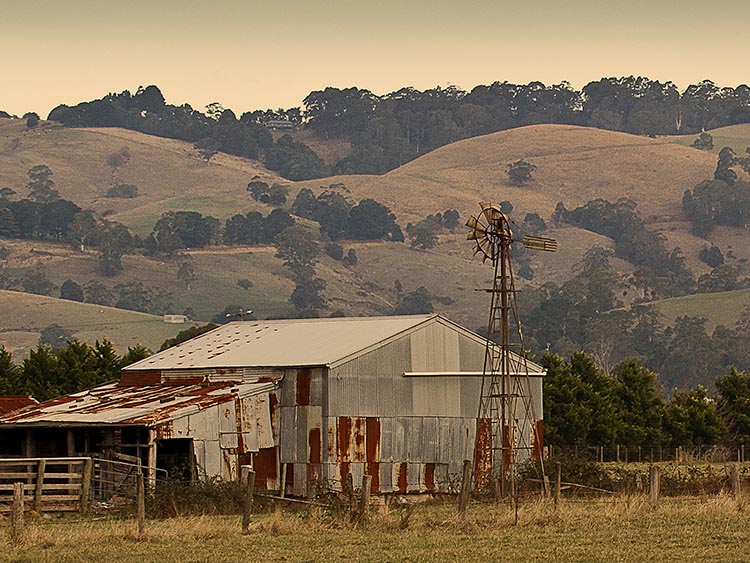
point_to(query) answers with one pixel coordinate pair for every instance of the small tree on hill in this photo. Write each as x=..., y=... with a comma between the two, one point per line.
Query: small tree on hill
x=704, y=142
x=72, y=291
x=519, y=172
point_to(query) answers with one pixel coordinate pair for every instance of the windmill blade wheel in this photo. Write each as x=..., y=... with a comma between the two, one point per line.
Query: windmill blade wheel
x=485, y=230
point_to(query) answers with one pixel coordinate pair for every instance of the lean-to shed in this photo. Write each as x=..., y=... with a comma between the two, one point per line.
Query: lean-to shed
x=393, y=397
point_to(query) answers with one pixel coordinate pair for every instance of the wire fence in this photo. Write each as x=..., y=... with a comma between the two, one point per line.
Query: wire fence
x=650, y=454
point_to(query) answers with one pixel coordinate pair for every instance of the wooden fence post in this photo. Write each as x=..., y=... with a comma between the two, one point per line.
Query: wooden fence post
x=558, y=479
x=249, y=480
x=86, y=473
x=463, y=498
x=655, y=484
x=16, y=516
x=364, y=500
x=141, y=503
x=39, y=485
x=734, y=477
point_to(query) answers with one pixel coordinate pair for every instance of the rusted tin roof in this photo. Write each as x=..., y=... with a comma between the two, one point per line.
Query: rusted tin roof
x=9, y=403
x=275, y=343
x=147, y=405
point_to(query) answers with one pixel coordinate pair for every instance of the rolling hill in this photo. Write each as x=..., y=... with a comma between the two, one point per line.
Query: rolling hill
x=25, y=315
x=574, y=165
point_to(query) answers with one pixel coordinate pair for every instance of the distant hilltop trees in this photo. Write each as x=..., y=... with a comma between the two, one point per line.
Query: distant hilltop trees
x=389, y=130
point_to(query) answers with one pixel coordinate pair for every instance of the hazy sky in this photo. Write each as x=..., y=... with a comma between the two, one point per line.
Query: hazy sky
x=259, y=54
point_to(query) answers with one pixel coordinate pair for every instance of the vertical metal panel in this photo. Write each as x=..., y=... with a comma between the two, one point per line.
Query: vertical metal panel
x=402, y=389
x=414, y=439
x=429, y=443
x=471, y=388
x=344, y=386
x=400, y=436
x=329, y=455
x=288, y=442
x=471, y=354
x=263, y=428
x=387, y=437
x=445, y=451
x=419, y=352
x=180, y=427
x=414, y=477
x=357, y=471
x=441, y=477
x=358, y=440
x=213, y=459
x=316, y=387
x=227, y=424
x=386, y=477
x=369, y=378
x=288, y=388
x=464, y=435
x=199, y=447
x=301, y=431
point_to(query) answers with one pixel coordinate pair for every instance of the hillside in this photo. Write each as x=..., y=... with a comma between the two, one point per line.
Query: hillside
x=25, y=315
x=574, y=165
x=722, y=308
x=169, y=174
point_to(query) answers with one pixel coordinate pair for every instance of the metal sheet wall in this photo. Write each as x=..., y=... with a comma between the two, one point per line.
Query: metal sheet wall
x=410, y=433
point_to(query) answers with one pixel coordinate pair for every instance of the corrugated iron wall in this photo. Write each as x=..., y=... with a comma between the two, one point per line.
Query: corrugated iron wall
x=411, y=434
x=223, y=433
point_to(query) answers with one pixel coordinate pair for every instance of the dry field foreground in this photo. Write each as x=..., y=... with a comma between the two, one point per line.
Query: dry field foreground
x=613, y=530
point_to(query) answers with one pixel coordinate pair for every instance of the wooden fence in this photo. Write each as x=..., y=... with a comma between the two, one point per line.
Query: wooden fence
x=49, y=484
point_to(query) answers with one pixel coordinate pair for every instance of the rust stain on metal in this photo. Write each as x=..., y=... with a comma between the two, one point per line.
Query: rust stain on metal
x=358, y=453
x=483, y=452
x=273, y=406
x=304, y=378
x=264, y=463
x=537, y=441
x=373, y=470
x=372, y=443
x=343, y=437
x=239, y=420
x=506, y=449
x=331, y=443
x=429, y=476
x=164, y=431
x=289, y=478
x=402, y=481
x=343, y=472
x=315, y=445
x=141, y=377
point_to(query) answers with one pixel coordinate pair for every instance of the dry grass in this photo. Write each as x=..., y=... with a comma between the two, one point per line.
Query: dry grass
x=24, y=316
x=618, y=529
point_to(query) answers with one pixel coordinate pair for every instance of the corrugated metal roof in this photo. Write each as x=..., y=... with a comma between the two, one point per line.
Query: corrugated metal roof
x=145, y=404
x=291, y=342
x=10, y=403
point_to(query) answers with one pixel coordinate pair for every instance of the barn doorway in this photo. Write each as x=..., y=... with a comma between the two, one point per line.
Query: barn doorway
x=177, y=457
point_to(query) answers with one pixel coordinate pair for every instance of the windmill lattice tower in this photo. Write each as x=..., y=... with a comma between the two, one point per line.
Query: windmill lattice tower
x=506, y=434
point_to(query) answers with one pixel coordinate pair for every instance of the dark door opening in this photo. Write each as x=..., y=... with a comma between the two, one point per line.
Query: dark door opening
x=177, y=457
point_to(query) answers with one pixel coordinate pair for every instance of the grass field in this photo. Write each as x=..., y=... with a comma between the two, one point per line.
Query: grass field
x=717, y=308
x=735, y=136
x=622, y=529
x=25, y=315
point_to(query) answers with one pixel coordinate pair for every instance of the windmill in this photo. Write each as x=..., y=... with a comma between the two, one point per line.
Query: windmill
x=504, y=434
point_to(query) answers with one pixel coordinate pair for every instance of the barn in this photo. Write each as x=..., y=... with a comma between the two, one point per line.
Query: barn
x=307, y=402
